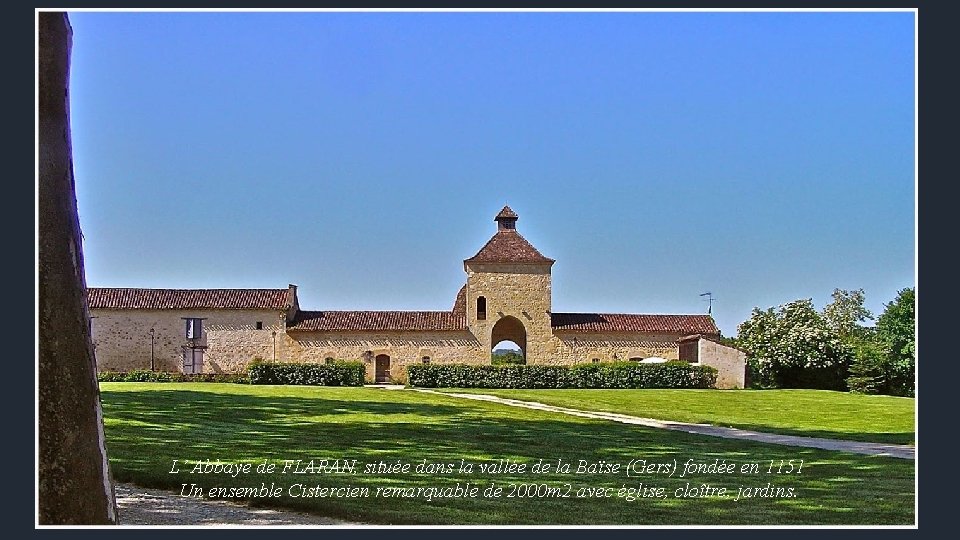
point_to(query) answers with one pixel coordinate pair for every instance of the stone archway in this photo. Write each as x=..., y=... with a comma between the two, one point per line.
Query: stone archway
x=509, y=329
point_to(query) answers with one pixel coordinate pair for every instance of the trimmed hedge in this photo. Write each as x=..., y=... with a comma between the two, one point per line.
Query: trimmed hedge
x=335, y=374
x=144, y=375
x=603, y=375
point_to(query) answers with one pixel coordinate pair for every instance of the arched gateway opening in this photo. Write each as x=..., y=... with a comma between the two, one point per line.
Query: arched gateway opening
x=507, y=335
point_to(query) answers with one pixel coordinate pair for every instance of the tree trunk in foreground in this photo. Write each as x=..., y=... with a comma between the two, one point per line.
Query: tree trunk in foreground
x=74, y=476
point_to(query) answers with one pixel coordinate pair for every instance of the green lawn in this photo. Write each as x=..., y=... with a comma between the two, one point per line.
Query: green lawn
x=150, y=424
x=813, y=413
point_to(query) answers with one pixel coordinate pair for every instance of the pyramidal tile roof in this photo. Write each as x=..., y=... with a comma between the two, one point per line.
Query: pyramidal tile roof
x=506, y=213
x=133, y=298
x=507, y=245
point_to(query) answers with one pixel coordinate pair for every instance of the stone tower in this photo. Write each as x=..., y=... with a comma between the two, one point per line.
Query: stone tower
x=508, y=291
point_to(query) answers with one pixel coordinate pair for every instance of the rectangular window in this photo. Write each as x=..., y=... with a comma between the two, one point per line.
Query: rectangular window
x=426, y=359
x=259, y=325
x=194, y=328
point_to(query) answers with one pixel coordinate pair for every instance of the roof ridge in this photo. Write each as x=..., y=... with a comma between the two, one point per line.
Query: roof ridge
x=179, y=289
x=375, y=311
x=634, y=314
x=143, y=298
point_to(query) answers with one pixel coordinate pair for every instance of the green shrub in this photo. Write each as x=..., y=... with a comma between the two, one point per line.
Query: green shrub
x=111, y=376
x=336, y=374
x=143, y=375
x=604, y=375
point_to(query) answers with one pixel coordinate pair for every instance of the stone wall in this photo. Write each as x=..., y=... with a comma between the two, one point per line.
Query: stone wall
x=122, y=338
x=578, y=347
x=522, y=291
x=730, y=363
x=403, y=348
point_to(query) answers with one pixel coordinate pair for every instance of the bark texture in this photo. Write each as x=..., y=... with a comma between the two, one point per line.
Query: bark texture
x=74, y=475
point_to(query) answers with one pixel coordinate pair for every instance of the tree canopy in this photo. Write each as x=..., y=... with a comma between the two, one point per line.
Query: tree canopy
x=795, y=346
x=886, y=364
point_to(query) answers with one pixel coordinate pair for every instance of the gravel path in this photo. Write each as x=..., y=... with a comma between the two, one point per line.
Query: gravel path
x=141, y=506
x=901, y=451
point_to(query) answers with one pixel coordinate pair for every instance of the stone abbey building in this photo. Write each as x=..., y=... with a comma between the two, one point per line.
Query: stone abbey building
x=507, y=296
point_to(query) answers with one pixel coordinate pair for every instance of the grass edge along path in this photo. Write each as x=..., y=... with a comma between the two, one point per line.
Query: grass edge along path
x=804, y=413
x=149, y=425
x=901, y=451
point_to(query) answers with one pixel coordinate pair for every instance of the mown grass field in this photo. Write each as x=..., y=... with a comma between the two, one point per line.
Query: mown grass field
x=148, y=425
x=811, y=413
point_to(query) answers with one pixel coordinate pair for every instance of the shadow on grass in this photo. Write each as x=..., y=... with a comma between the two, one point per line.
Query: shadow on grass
x=148, y=429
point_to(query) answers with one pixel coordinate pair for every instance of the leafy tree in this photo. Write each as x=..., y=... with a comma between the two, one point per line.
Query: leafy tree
x=728, y=341
x=896, y=324
x=888, y=364
x=507, y=357
x=794, y=346
x=846, y=312
x=869, y=368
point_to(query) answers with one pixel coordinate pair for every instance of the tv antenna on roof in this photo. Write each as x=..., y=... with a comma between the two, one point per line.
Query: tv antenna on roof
x=709, y=296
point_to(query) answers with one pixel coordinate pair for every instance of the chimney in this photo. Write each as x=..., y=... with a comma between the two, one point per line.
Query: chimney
x=293, y=305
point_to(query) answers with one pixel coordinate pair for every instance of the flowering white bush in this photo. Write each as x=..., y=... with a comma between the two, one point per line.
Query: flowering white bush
x=780, y=343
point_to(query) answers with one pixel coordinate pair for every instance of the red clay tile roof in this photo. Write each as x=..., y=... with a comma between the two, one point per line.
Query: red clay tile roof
x=308, y=321
x=623, y=322
x=507, y=246
x=506, y=213
x=117, y=298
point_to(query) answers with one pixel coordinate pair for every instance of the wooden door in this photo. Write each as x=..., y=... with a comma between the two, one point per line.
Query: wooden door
x=192, y=360
x=383, y=368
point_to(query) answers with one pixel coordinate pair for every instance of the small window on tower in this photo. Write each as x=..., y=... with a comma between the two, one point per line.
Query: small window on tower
x=259, y=325
x=481, y=308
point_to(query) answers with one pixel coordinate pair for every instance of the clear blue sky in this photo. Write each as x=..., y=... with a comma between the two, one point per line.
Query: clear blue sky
x=762, y=156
